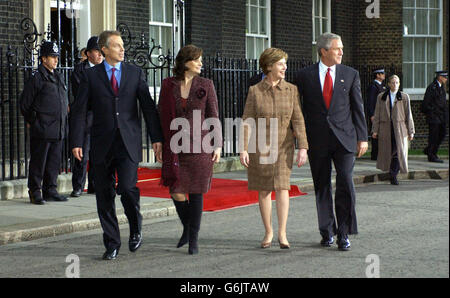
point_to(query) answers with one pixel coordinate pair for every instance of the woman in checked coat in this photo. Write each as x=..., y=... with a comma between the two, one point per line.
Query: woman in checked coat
x=273, y=104
x=393, y=125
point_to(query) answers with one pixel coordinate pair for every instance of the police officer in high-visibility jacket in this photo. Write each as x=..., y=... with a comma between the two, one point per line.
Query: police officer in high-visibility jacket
x=44, y=105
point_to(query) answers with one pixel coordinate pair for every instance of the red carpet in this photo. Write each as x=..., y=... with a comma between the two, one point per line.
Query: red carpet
x=224, y=193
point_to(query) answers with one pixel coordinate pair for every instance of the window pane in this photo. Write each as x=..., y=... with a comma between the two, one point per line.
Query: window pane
x=434, y=3
x=431, y=68
x=407, y=75
x=154, y=33
x=253, y=20
x=325, y=25
x=166, y=39
x=422, y=21
x=262, y=21
x=317, y=27
x=259, y=43
x=254, y=2
x=408, y=3
x=419, y=75
x=324, y=8
x=169, y=11
x=408, y=21
x=422, y=3
x=432, y=50
x=434, y=22
x=262, y=3
x=314, y=56
x=247, y=10
x=316, y=8
x=157, y=11
x=419, y=50
x=407, y=49
x=250, y=48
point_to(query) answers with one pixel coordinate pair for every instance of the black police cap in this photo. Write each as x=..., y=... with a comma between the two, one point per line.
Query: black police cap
x=381, y=70
x=49, y=48
x=443, y=73
x=92, y=44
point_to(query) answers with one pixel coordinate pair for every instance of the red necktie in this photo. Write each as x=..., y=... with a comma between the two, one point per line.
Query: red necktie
x=114, y=85
x=328, y=89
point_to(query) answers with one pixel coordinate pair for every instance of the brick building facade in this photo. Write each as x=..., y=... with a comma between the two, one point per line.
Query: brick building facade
x=221, y=26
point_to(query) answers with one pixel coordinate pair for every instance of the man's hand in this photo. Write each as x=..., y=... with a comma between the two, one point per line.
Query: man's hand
x=157, y=148
x=362, y=148
x=78, y=153
x=374, y=135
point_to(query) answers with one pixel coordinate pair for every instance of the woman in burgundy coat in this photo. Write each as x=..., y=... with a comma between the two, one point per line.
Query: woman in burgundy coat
x=192, y=139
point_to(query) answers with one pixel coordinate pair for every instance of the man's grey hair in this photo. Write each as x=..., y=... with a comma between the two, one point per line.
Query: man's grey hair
x=324, y=41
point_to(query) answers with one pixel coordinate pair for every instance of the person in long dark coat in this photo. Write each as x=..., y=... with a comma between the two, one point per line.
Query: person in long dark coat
x=188, y=170
x=79, y=167
x=43, y=104
x=375, y=88
x=434, y=106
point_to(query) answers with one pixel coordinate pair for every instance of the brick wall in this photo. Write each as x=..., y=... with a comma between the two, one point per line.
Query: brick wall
x=136, y=15
x=378, y=40
x=292, y=27
x=216, y=26
x=11, y=14
x=343, y=23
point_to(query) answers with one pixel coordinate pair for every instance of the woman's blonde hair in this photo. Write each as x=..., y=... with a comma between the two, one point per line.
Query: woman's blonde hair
x=393, y=77
x=269, y=57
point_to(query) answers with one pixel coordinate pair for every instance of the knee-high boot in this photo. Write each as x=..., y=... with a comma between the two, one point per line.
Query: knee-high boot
x=195, y=217
x=182, y=208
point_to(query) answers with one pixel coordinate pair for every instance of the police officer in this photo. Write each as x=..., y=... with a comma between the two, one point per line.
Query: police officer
x=434, y=106
x=94, y=57
x=375, y=88
x=43, y=103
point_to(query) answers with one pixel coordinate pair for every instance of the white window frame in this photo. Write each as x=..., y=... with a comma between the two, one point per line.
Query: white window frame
x=266, y=36
x=161, y=25
x=321, y=17
x=440, y=44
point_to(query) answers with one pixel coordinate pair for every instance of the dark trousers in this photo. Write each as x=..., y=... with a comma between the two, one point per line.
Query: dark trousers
x=374, y=152
x=436, y=134
x=395, y=164
x=344, y=161
x=117, y=161
x=45, y=163
x=79, y=168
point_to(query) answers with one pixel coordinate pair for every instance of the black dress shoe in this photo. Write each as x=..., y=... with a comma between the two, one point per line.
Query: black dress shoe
x=394, y=181
x=91, y=190
x=435, y=159
x=55, y=197
x=36, y=199
x=110, y=254
x=343, y=243
x=135, y=242
x=76, y=193
x=327, y=241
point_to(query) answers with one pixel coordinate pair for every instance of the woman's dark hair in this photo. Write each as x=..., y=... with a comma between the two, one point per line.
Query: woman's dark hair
x=186, y=54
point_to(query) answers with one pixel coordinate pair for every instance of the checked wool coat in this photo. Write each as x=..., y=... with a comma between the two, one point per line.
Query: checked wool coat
x=280, y=102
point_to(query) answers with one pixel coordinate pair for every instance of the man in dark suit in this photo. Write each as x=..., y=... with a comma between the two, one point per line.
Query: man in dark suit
x=375, y=88
x=336, y=129
x=79, y=167
x=111, y=90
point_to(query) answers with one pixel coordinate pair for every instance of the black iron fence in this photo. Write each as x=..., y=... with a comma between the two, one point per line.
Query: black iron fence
x=230, y=76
